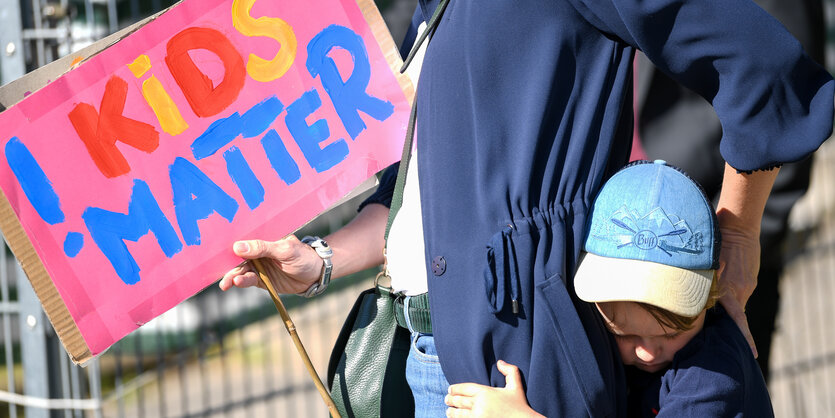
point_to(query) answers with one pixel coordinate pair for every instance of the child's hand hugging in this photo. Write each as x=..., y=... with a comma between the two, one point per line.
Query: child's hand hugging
x=474, y=400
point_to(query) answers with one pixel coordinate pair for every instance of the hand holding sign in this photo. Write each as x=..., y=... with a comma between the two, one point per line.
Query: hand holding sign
x=292, y=265
x=356, y=247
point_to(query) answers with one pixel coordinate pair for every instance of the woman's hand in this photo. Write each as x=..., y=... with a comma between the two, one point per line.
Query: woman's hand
x=739, y=265
x=291, y=265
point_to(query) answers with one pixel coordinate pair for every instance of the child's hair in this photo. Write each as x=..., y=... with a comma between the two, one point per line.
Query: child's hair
x=678, y=322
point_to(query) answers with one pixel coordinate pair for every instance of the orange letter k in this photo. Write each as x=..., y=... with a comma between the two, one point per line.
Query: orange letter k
x=100, y=130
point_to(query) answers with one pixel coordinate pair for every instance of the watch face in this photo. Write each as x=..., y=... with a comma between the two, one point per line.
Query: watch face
x=320, y=245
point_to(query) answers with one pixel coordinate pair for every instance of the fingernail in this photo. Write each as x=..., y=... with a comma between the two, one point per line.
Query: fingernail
x=241, y=247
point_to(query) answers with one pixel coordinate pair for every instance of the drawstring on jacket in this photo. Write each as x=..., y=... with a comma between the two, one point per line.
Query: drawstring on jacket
x=502, y=271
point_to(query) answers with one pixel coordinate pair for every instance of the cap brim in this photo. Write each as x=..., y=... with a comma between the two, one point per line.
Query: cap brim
x=608, y=279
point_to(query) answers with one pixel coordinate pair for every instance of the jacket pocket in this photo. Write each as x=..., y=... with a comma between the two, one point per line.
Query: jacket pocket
x=586, y=355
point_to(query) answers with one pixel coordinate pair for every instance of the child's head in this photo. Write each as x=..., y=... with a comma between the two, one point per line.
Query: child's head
x=650, y=261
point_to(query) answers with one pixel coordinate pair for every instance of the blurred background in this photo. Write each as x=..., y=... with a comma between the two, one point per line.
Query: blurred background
x=229, y=355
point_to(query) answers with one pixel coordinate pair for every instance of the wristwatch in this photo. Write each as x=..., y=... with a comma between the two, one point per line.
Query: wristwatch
x=325, y=252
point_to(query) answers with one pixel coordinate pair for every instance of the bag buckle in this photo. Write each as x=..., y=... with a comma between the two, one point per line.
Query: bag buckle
x=384, y=272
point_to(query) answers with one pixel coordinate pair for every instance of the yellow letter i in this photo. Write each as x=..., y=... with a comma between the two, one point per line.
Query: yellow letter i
x=168, y=114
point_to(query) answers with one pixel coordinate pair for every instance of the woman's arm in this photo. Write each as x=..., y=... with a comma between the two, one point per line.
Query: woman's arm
x=739, y=212
x=294, y=266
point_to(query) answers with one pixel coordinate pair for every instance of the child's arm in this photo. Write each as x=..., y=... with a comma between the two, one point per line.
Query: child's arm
x=474, y=400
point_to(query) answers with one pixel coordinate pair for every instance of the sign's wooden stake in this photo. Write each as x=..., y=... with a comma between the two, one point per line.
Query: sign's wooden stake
x=291, y=328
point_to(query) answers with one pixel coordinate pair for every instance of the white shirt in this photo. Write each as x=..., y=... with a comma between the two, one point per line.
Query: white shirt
x=405, y=251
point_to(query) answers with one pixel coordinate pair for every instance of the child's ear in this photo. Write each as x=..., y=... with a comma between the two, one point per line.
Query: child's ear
x=720, y=270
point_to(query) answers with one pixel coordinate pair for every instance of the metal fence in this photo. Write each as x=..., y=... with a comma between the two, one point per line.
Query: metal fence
x=803, y=357
x=229, y=355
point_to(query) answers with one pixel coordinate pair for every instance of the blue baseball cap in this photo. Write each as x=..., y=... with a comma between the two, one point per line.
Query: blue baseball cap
x=651, y=237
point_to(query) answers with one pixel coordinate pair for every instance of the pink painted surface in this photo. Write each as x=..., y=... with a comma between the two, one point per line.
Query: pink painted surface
x=102, y=305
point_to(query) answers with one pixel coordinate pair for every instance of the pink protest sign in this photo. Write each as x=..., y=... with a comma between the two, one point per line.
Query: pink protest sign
x=127, y=179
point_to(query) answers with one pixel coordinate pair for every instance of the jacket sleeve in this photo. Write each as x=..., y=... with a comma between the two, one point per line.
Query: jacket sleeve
x=385, y=190
x=411, y=33
x=774, y=102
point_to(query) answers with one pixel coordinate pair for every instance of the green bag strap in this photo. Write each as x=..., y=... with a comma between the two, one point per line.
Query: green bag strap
x=397, y=197
x=430, y=28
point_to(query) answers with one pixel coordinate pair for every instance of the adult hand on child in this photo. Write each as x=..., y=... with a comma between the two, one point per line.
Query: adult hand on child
x=291, y=265
x=739, y=213
x=474, y=400
x=739, y=265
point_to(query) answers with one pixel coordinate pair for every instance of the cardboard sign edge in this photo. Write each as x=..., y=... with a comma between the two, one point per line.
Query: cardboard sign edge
x=381, y=33
x=54, y=306
x=12, y=92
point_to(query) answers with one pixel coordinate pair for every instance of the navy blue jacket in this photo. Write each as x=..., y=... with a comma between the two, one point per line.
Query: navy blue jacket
x=524, y=109
x=714, y=375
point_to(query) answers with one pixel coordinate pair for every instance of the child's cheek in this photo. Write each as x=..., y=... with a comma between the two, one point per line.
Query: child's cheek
x=626, y=349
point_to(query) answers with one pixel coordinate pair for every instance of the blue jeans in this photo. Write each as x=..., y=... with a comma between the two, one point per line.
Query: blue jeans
x=425, y=377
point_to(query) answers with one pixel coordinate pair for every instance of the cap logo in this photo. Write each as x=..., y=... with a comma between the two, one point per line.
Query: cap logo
x=645, y=240
x=656, y=229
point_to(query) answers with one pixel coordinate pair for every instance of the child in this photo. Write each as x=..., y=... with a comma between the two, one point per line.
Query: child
x=650, y=266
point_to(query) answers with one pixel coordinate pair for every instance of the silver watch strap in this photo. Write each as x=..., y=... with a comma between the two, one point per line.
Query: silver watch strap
x=325, y=252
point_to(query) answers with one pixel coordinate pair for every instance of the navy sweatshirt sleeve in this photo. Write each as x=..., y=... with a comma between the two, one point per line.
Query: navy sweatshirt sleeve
x=699, y=392
x=715, y=375
x=772, y=99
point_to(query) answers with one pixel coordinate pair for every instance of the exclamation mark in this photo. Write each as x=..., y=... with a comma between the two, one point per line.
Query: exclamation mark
x=164, y=108
x=39, y=191
x=32, y=179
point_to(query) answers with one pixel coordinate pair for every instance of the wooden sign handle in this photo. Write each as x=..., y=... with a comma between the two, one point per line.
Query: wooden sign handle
x=291, y=328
